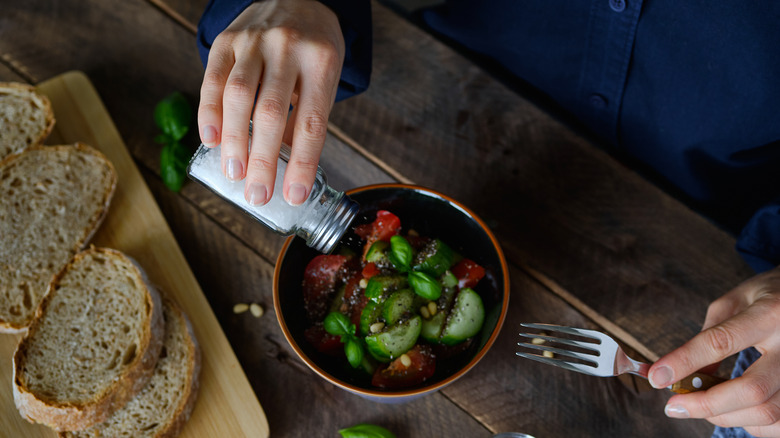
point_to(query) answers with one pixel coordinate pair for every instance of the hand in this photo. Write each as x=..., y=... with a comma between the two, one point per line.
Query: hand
x=291, y=51
x=749, y=315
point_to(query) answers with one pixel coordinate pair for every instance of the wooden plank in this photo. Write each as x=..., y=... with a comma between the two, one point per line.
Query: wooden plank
x=135, y=225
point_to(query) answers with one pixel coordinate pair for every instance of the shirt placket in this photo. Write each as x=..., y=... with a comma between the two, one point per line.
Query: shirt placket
x=611, y=30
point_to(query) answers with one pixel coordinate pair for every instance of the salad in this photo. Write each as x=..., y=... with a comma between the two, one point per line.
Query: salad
x=394, y=307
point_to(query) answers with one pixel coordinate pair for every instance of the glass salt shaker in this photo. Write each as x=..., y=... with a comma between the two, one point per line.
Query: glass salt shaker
x=321, y=220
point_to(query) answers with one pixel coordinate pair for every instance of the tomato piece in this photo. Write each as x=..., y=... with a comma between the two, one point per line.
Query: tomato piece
x=319, y=283
x=396, y=375
x=468, y=273
x=323, y=341
x=356, y=299
x=385, y=226
x=370, y=270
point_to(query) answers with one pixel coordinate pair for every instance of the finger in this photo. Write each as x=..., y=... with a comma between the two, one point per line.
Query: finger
x=269, y=121
x=718, y=311
x=764, y=414
x=751, y=399
x=237, y=102
x=315, y=100
x=713, y=345
x=218, y=68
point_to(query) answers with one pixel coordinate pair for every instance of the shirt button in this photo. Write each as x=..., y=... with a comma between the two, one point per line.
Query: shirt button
x=617, y=5
x=598, y=101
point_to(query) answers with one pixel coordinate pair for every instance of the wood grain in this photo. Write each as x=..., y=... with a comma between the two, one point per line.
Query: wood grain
x=136, y=226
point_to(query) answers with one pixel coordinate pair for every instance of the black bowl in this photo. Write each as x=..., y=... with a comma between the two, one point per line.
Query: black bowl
x=431, y=214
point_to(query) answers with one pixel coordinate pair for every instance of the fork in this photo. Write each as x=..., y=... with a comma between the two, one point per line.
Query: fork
x=598, y=355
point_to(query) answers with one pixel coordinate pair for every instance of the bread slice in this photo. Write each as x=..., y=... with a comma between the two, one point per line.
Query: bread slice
x=93, y=345
x=26, y=117
x=165, y=404
x=53, y=200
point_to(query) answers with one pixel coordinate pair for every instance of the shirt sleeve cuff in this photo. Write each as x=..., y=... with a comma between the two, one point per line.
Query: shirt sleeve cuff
x=759, y=241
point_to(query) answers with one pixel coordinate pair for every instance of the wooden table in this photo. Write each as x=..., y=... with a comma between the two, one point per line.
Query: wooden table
x=589, y=242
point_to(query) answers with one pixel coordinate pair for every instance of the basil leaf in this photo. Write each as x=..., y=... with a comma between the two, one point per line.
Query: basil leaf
x=163, y=139
x=354, y=351
x=173, y=165
x=172, y=115
x=400, y=253
x=424, y=285
x=366, y=431
x=337, y=324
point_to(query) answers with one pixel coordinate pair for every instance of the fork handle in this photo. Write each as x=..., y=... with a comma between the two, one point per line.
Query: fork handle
x=696, y=382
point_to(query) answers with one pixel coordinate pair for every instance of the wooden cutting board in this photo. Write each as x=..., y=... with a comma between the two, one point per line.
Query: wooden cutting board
x=226, y=405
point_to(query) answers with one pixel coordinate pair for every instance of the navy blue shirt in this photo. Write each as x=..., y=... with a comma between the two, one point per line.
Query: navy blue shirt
x=691, y=89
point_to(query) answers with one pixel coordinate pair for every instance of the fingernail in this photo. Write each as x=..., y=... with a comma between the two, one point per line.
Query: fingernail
x=209, y=135
x=676, y=411
x=661, y=377
x=258, y=194
x=233, y=169
x=296, y=194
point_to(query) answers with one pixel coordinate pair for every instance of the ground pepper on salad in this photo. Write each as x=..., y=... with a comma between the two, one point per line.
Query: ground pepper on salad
x=395, y=309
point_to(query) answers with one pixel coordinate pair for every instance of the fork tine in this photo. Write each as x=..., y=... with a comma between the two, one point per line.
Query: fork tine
x=590, y=346
x=591, y=334
x=585, y=357
x=581, y=368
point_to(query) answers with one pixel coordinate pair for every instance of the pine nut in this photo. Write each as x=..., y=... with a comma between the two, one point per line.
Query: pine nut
x=363, y=283
x=376, y=327
x=405, y=360
x=424, y=312
x=537, y=341
x=256, y=309
x=432, y=308
x=546, y=353
x=240, y=308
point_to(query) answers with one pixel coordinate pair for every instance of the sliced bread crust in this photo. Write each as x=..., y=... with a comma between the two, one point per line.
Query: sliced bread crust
x=26, y=117
x=165, y=404
x=93, y=345
x=54, y=199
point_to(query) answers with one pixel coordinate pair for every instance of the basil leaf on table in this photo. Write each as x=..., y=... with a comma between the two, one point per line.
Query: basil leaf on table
x=172, y=115
x=366, y=431
x=173, y=165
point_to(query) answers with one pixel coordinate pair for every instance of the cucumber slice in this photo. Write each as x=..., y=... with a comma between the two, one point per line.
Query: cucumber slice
x=395, y=340
x=466, y=318
x=380, y=286
x=370, y=314
x=398, y=304
x=449, y=279
x=377, y=253
x=431, y=328
x=434, y=259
